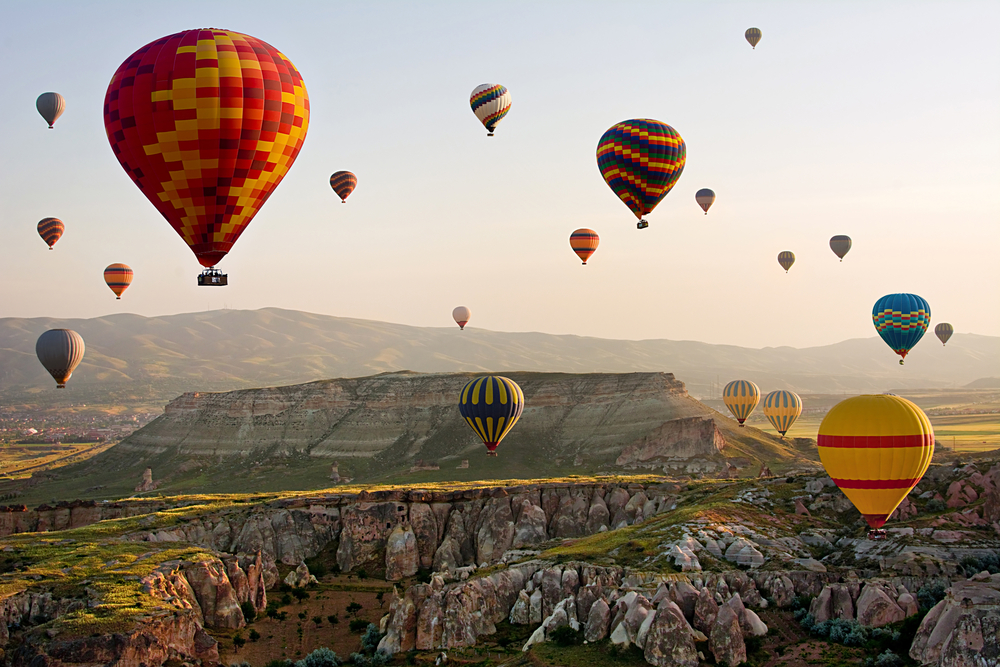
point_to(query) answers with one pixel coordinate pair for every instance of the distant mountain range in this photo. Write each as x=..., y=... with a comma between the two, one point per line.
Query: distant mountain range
x=134, y=359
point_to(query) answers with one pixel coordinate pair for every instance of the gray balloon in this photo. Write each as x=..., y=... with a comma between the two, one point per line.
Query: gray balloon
x=840, y=245
x=51, y=106
x=60, y=351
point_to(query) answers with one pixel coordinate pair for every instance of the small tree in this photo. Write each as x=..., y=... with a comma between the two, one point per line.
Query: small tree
x=254, y=635
x=353, y=608
x=333, y=619
x=362, y=573
x=358, y=625
x=249, y=611
x=302, y=615
x=321, y=657
x=300, y=594
x=379, y=596
x=318, y=620
x=239, y=641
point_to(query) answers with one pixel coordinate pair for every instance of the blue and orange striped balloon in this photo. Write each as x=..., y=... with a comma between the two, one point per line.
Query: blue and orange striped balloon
x=641, y=160
x=343, y=183
x=741, y=397
x=901, y=320
x=118, y=276
x=491, y=405
x=51, y=230
x=782, y=408
x=584, y=243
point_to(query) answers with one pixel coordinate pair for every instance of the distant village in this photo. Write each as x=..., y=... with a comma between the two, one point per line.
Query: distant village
x=27, y=427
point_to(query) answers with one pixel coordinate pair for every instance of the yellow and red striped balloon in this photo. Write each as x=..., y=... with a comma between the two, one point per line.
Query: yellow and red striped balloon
x=876, y=448
x=118, y=277
x=584, y=243
x=343, y=183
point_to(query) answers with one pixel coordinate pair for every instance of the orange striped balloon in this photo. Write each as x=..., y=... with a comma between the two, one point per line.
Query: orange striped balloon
x=51, y=230
x=584, y=242
x=118, y=277
x=876, y=448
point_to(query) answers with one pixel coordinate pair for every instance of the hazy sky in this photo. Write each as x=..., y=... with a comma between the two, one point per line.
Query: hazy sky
x=880, y=120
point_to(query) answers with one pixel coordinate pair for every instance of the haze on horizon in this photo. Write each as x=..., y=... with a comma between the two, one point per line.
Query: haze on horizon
x=876, y=120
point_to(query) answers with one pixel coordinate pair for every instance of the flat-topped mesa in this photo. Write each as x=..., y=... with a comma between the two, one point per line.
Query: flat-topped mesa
x=594, y=415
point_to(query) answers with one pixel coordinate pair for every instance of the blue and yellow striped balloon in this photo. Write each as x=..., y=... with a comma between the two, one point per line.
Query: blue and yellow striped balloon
x=741, y=397
x=491, y=405
x=782, y=408
x=901, y=320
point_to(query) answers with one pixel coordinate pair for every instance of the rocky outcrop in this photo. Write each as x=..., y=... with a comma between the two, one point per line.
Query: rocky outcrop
x=964, y=627
x=726, y=639
x=670, y=639
x=66, y=515
x=300, y=576
x=877, y=607
x=674, y=442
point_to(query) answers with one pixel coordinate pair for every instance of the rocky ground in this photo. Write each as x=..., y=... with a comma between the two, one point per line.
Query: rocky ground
x=592, y=571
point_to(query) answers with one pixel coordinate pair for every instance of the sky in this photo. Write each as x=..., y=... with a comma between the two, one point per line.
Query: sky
x=879, y=120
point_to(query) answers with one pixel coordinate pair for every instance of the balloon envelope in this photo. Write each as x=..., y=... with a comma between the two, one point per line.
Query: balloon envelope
x=584, y=242
x=786, y=258
x=753, y=36
x=490, y=102
x=944, y=331
x=51, y=230
x=840, y=245
x=206, y=123
x=641, y=160
x=782, y=408
x=876, y=448
x=50, y=106
x=901, y=320
x=491, y=405
x=741, y=397
x=705, y=198
x=343, y=183
x=118, y=277
x=462, y=316
x=60, y=351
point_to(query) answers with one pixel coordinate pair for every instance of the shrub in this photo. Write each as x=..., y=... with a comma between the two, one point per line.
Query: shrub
x=973, y=564
x=302, y=615
x=272, y=609
x=239, y=641
x=317, y=567
x=374, y=660
x=321, y=657
x=379, y=596
x=565, y=636
x=807, y=622
x=279, y=663
x=424, y=575
x=888, y=659
x=362, y=573
x=358, y=625
x=284, y=588
x=286, y=599
x=353, y=608
x=371, y=638
x=935, y=505
x=318, y=620
x=254, y=635
x=930, y=594
x=333, y=619
x=300, y=594
x=249, y=611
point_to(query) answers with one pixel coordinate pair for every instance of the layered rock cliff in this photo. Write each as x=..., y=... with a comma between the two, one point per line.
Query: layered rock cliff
x=401, y=417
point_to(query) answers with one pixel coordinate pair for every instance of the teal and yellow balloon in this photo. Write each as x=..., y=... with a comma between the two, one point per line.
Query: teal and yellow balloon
x=491, y=405
x=901, y=320
x=782, y=408
x=741, y=397
x=753, y=36
x=786, y=258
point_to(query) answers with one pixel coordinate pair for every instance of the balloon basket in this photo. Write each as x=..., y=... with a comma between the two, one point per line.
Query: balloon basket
x=212, y=278
x=642, y=224
x=876, y=534
x=491, y=453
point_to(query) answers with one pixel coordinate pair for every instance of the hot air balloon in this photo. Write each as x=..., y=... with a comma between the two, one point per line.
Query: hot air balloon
x=50, y=106
x=491, y=405
x=490, y=102
x=343, y=183
x=782, y=408
x=584, y=242
x=786, y=258
x=118, y=277
x=641, y=160
x=944, y=331
x=705, y=198
x=741, y=397
x=876, y=448
x=753, y=36
x=840, y=245
x=206, y=123
x=51, y=230
x=462, y=316
x=901, y=320
x=60, y=351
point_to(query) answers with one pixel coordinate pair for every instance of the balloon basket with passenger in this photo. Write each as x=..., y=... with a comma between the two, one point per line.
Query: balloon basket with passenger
x=212, y=277
x=876, y=534
x=642, y=224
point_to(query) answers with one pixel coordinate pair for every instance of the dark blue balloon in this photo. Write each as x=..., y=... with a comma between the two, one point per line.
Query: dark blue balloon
x=491, y=405
x=901, y=320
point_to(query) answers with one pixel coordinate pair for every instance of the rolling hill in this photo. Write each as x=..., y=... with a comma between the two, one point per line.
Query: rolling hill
x=132, y=359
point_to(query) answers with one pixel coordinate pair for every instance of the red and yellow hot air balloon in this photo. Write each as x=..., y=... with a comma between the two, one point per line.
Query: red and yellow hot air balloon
x=206, y=123
x=343, y=183
x=118, y=276
x=876, y=448
x=584, y=243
